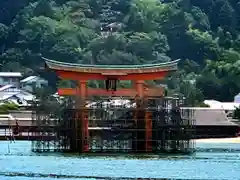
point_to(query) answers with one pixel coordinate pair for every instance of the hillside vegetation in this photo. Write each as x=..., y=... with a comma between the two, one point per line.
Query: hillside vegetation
x=204, y=34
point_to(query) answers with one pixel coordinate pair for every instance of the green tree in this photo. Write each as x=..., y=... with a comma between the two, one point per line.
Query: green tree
x=8, y=106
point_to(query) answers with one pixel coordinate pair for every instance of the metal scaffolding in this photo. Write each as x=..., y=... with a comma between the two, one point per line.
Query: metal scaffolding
x=117, y=125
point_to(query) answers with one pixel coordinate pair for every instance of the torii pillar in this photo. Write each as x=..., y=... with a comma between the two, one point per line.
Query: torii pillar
x=111, y=74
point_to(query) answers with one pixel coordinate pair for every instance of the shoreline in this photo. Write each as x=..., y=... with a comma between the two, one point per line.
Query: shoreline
x=219, y=140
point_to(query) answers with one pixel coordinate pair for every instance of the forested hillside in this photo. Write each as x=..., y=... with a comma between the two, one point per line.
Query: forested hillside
x=204, y=34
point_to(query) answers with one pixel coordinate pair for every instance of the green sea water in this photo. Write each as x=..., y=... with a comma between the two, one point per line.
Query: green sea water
x=211, y=161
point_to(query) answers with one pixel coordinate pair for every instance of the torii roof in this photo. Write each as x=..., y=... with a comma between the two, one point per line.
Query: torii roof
x=112, y=69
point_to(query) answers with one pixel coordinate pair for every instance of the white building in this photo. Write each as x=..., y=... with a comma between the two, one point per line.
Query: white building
x=7, y=78
x=11, y=93
x=32, y=82
x=228, y=106
x=237, y=98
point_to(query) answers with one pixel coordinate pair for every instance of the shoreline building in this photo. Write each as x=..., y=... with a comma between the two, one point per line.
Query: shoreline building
x=7, y=78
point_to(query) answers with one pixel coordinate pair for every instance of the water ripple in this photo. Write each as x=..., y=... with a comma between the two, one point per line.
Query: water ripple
x=40, y=175
x=210, y=161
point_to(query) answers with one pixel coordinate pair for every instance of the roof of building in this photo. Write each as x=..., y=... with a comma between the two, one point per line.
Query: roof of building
x=222, y=105
x=28, y=79
x=10, y=74
x=7, y=96
x=211, y=117
x=87, y=68
x=15, y=92
x=21, y=94
x=5, y=87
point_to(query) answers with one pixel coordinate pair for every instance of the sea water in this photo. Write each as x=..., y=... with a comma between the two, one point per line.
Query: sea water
x=211, y=161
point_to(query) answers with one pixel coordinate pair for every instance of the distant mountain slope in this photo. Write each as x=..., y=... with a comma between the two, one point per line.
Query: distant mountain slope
x=203, y=34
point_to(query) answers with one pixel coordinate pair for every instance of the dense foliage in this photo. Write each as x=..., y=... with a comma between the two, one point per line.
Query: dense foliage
x=204, y=34
x=236, y=113
x=8, y=106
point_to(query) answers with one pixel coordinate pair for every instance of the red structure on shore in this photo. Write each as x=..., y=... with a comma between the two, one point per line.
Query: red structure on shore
x=111, y=75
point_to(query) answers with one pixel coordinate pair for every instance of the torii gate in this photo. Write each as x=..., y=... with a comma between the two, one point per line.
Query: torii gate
x=111, y=74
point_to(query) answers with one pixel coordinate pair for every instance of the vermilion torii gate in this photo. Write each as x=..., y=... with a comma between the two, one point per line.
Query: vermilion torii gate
x=112, y=74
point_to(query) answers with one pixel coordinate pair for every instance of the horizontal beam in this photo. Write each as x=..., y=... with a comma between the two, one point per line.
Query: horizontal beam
x=28, y=138
x=71, y=75
x=152, y=92
x=112, y=69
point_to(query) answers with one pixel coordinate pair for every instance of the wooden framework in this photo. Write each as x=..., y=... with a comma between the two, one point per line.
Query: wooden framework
x=111, y=75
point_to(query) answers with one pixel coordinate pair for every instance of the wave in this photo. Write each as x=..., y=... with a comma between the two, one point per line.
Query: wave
x=40, y=175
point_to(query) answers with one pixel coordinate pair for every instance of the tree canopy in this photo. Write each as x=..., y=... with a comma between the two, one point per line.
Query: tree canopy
x=204, y=34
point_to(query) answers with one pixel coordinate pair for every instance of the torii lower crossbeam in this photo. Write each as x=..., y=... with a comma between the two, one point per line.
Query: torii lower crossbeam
x=152, y=92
